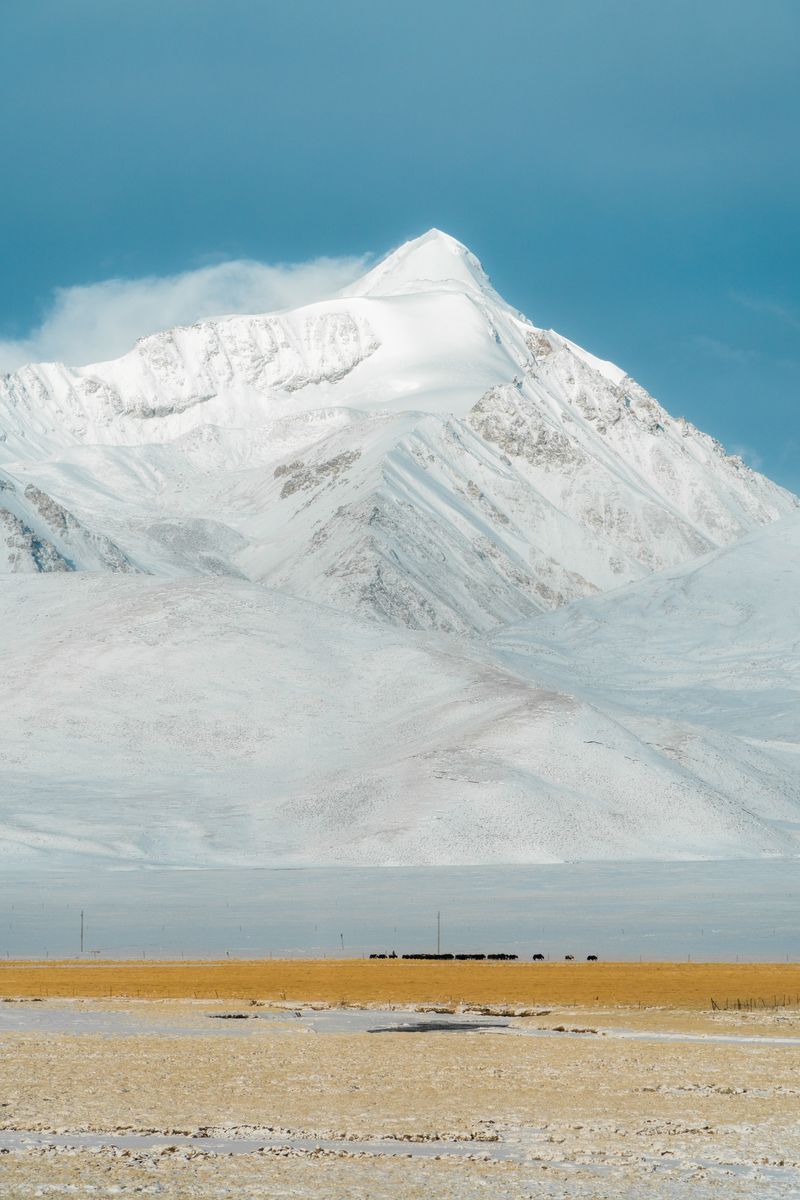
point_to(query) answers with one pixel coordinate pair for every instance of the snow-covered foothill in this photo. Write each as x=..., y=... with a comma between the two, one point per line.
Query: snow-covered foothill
x=210, y=722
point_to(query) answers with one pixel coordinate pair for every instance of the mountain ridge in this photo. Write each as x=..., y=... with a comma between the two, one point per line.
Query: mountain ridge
x=544, y=472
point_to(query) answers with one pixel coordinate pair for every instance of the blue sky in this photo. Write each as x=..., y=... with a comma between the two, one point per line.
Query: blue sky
x=628, y=171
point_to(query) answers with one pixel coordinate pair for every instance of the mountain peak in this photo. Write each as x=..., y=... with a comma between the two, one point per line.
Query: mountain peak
x=432, y=262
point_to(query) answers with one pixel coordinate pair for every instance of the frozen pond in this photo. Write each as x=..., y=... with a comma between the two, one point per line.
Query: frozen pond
x=93, y=1019
x=702, y=910
x=77, y=1018
x=210, y=1144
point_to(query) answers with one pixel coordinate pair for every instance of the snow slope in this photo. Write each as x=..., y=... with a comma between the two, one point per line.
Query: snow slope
x=413, y=450
x=716, y=641
x=702, y=662
x=211, y=721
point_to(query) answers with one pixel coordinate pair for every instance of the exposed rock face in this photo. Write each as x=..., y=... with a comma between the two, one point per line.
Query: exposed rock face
x=301, y=477
x=25, y=550
x=510, y=421
x=41, y=535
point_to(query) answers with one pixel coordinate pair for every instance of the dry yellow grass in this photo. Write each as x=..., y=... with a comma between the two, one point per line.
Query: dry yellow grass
x=359, y=981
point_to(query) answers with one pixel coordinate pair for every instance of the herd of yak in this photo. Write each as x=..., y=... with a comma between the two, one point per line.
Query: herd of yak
x=477, y=957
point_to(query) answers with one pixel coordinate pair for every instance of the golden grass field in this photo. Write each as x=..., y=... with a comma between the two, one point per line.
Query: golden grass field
x=361, y=981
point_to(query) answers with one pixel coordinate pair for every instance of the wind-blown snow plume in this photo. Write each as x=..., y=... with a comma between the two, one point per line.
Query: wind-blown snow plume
x=100, y=320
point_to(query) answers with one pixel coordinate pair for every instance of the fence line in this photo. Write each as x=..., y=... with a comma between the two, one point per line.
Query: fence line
x=751, y=1003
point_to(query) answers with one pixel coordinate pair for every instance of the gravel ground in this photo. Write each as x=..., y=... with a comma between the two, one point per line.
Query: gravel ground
x=154, y=1099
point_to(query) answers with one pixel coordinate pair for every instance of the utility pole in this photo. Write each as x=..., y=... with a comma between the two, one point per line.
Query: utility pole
x=81, y=931
x=438, y=933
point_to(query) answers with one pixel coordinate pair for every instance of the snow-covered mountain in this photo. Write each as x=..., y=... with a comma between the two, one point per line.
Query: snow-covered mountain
x=413, y=450
x=212, y=721
x=288, y=591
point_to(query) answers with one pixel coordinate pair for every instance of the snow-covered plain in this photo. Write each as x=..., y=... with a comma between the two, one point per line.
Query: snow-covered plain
x=348, y=584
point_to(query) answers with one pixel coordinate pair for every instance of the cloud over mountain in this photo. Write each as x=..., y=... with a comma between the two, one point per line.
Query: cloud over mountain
x=97, y=321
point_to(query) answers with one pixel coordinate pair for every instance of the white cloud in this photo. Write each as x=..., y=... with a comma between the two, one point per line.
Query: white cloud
x=98, y=321
x=737, y=355
x=769, y=308
x=749, y=455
